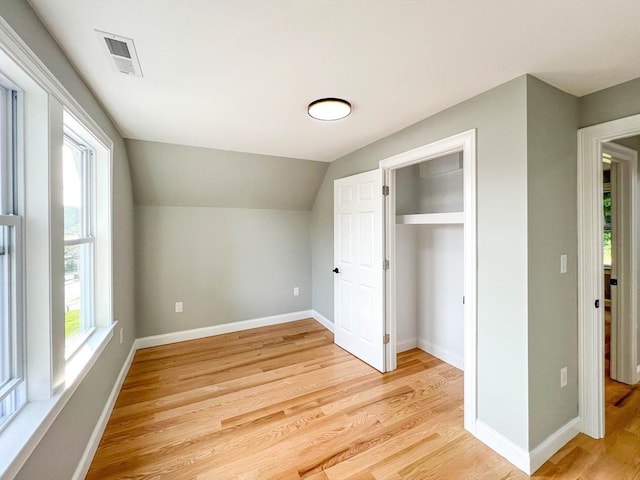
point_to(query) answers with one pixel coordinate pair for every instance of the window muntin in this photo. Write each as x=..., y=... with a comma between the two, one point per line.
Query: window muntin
x=12, y=382
x=79, y=239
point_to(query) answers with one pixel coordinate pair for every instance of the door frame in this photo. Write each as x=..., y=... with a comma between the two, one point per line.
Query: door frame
x=464, y=142
x=590, y=279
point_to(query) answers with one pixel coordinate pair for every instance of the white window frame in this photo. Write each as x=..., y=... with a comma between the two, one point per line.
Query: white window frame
x=50, y=378
x=13, y=390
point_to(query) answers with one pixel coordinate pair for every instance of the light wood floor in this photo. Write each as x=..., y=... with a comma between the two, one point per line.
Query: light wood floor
x=283, y=402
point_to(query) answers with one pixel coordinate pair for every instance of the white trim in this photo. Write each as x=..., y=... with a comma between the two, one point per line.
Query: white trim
x=35, y=419
x=590, y=281
x=166, y=338
x=503, y=446
x=92, y=445
x=528, y=462
x=554, y=442
x=465, y=142
x=404, y=345
x=321, y=319
x=442, y=353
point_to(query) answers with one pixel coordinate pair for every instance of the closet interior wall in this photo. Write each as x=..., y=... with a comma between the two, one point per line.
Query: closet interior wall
x=430, y=258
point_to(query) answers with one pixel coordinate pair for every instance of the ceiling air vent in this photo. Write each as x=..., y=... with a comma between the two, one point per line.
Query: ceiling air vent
x=121, y=52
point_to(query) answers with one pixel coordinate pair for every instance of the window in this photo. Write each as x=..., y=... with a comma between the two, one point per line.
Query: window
x=12, y=385
x=79, y=239
x=56, y=312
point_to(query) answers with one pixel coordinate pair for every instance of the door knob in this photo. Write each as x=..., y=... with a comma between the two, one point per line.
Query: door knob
x=335, y=270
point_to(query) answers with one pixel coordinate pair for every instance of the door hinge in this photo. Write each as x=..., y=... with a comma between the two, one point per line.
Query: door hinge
x=385, y=339
x=463, y=299
x=385, y=264
x=385, y=190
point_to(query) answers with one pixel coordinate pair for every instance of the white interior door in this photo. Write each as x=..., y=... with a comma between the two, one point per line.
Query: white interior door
x=359, y=272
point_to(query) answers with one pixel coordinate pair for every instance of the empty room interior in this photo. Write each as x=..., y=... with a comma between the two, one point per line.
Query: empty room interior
x=319, y=240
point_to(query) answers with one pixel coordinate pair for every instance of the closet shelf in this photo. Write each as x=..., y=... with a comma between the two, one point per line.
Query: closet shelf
x=431, y=218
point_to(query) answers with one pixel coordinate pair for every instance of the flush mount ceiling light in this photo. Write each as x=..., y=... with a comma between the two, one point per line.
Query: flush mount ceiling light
x=328, y=109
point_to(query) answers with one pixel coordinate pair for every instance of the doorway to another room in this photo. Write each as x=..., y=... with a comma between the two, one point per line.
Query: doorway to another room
x=609, y=257
x=618, y=156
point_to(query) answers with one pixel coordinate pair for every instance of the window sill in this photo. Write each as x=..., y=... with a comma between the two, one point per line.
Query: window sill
x=22, y=435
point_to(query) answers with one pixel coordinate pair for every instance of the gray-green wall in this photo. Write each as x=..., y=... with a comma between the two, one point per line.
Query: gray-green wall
x=164, y=174
x=611, y=103
x=59, y=452
x=552, y=118
x=499, y=116
x=224, y=264
x=226, y=233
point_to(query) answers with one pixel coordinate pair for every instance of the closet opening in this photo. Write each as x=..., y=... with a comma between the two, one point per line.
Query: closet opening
x=431, y=246
x=430, y=258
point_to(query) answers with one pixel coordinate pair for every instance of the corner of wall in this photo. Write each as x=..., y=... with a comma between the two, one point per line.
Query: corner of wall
x=552, y=121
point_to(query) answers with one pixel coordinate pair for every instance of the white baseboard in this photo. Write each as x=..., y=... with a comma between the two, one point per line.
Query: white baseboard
x=404, y=345
x=553, y=443
x=442, y=353
x=94, y=440
x=195, y=333
x=533, y=460
x=324, y=321
x=503, y=446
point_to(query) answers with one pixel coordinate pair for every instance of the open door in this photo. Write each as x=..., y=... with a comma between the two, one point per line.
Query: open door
x=359, y=271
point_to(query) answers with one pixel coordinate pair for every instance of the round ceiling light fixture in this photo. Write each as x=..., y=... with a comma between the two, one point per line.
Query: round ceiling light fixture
x=328, y=109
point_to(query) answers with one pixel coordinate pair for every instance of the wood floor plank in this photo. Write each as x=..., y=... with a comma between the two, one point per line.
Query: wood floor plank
x=283, y=402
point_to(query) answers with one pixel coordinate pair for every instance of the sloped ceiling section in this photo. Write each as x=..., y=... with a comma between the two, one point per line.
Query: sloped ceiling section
x=176, y=175
x=238, y=75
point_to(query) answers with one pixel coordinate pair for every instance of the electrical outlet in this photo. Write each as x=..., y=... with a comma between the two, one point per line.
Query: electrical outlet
x=178, y=307
x=563, y=377
x=563, y=264
x=121, y=335
x=296, y=291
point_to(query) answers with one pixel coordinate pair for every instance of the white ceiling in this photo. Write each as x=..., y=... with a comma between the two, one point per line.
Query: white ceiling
x=238, y=75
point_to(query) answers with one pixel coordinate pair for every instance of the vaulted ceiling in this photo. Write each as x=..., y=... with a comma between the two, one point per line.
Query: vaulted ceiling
x=238, y=75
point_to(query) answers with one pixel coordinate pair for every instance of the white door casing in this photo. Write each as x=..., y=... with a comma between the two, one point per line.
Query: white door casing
x=590, y=278
x=359, y=274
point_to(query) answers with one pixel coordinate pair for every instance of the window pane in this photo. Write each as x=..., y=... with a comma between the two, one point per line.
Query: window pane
x=72, y=294
x=78, y=293
x=72, y=166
